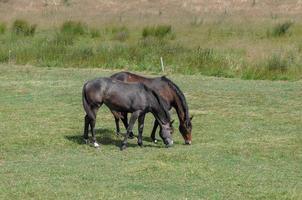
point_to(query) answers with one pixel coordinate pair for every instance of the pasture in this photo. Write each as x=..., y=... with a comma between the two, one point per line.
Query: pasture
x=247, y=141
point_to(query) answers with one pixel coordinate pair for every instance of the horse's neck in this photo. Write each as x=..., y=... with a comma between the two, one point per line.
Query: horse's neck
x=181, y=113
x=159, y=113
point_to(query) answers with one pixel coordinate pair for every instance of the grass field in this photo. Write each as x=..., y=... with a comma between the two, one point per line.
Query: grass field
x=247, y=142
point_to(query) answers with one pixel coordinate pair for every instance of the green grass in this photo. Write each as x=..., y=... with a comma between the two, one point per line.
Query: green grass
x=213, y=48
x=247, y=141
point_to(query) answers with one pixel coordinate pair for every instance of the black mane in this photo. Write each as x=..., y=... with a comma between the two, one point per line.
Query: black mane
x=159, y=99
x=180, y=95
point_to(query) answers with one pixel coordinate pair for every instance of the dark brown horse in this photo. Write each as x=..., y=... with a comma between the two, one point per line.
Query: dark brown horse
x=170, y=92
x=122, y=97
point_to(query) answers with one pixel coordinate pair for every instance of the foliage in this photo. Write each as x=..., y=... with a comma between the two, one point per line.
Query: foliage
x=74, y=28
x=22, y=27
x=2, y=28
x=120, y=33
x=281, y=29
x=159, y=31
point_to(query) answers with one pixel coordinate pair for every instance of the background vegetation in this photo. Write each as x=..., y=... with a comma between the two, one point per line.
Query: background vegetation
x=75, y=44
x=245, y=39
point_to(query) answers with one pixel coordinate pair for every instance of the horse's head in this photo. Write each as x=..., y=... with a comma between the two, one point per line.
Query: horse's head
x=185, y=129
x=166, y=133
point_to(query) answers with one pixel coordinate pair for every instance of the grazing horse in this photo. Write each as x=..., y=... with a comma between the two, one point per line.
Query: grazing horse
x=133, y=98
x=170, y=92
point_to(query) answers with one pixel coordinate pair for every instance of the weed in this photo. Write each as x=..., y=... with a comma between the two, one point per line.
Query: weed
x=94, y=33
x=277, y=63
x=280, y=29
x=2, y=28
x=74, y=28
x=22, y=27
x=120, y=33
x=159, y=31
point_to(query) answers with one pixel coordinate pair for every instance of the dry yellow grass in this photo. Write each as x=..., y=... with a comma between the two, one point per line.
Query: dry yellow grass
x=137, y=12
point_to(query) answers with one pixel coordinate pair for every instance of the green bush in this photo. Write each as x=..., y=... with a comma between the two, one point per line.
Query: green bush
x=159, y=31
x=22, y=27
x=281, y=29
x=74, y=28
x=94, y=33
x=2, y=28
x=277, y=63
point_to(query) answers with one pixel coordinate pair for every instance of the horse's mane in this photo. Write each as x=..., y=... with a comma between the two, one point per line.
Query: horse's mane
x=159, y=99
x=180, y=95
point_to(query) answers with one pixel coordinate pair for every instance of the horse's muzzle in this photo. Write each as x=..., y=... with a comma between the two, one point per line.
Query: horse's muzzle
x=168, y=142
x=188, y=142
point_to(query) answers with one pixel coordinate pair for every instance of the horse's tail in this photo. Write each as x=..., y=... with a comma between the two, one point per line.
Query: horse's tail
x=86, y=105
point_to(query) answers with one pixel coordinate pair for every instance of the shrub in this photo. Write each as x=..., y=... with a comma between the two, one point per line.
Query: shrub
x=94, y=33
x=277, y=63
x=63, y=39
x=2, y=28
x=74, y=28
x=120, y=33
x=66, y=2
x=159, y=31
x=281, y=29
x=22, y=27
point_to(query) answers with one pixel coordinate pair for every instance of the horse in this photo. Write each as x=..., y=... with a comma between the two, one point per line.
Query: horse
x=135, y=98
x=170, y=92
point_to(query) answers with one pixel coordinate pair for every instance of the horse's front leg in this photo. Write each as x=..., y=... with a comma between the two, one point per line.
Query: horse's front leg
x=141, y=120
x=133, y=118
x=125, y=122
x=153, y=138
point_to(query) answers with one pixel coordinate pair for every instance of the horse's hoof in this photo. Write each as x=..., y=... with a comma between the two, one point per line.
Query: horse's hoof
x=131, y=135
x=169, y=144
x=123, y=147
x=140, y=144
x=154, y=140
x=96, y=145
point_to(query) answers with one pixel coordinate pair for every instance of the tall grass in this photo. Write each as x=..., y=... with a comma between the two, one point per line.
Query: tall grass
x=280, y=29
x=159, y=31
x=2, y=28
x=120, y=33
x=74, y=28
x=75, y=45
x=22, y=27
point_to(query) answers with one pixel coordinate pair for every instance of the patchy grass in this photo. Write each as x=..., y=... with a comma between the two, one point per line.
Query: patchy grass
x=247, y=141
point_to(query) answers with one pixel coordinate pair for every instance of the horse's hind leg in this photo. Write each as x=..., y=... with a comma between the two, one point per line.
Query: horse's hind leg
x=86, y=128
x=141, y=120
x=133, y=118
x=92, y=125
x=117, y=120
x=125, y=122
x=153, y=138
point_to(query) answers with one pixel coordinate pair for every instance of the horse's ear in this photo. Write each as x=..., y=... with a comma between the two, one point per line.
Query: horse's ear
x=191, y=117
x=171, y=122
